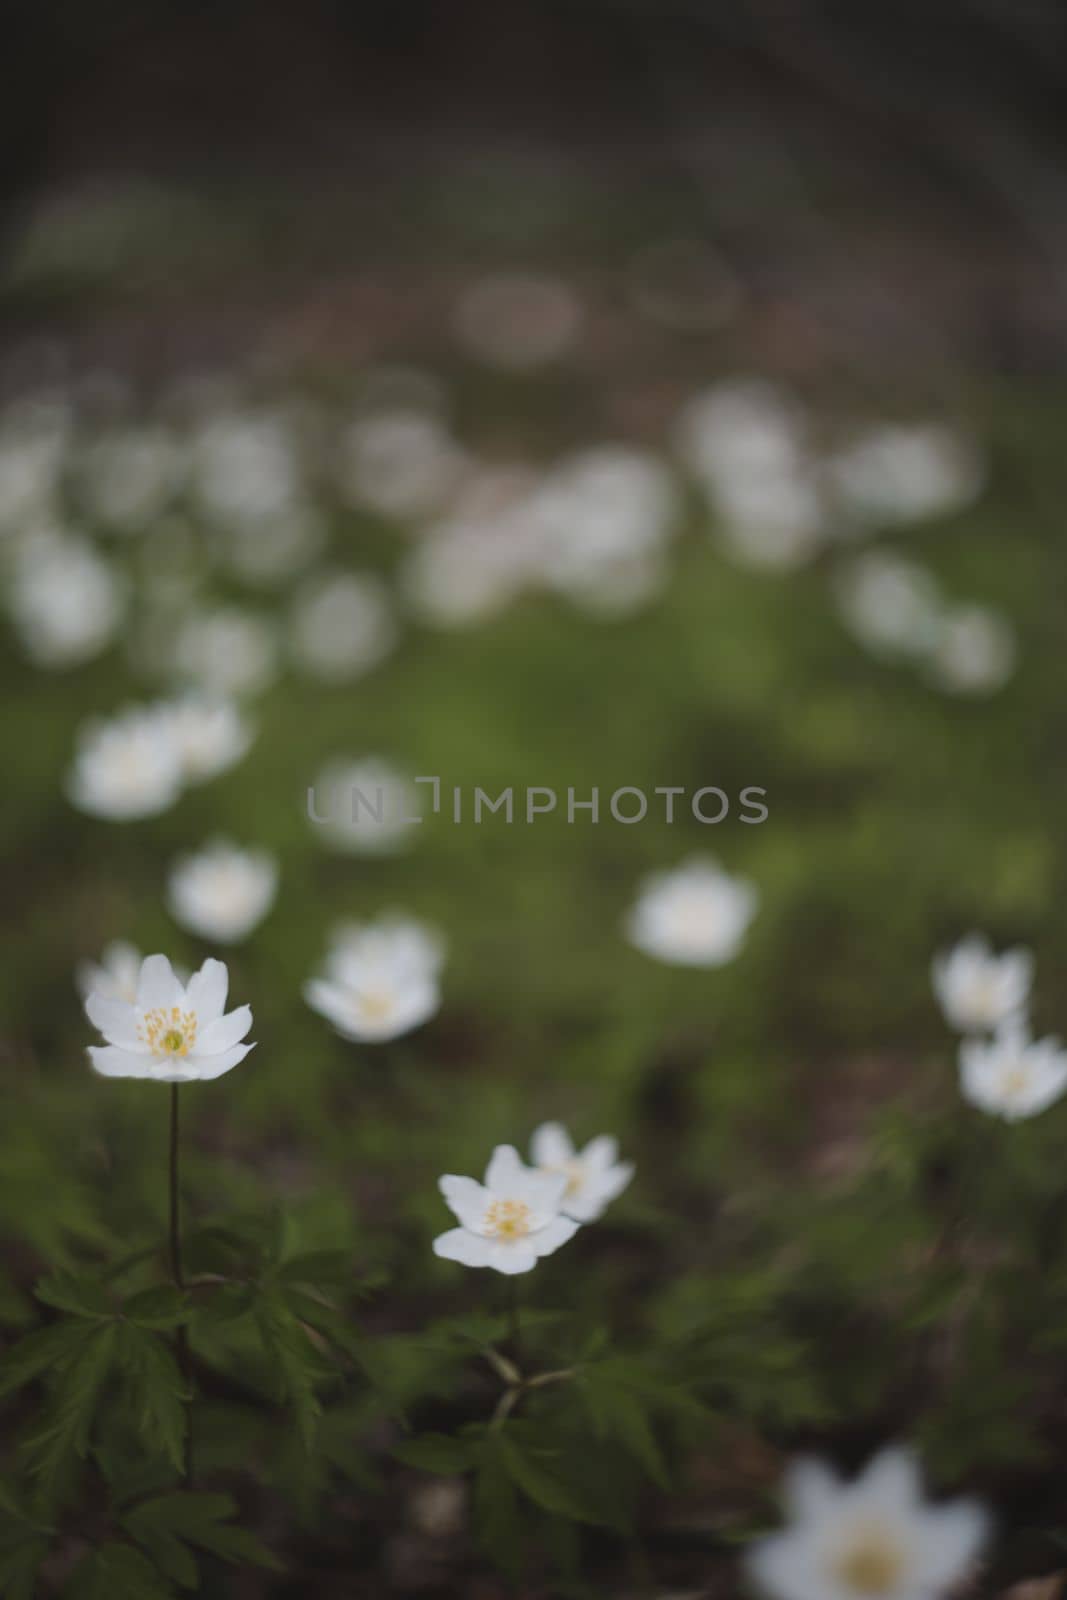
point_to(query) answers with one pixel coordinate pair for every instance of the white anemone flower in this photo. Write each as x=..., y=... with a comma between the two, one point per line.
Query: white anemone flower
x=900, y=473
x=1011, y=1075
x=126, y=767
x=401, y=463
x=374, y=1001
x=508, y=1222
x=595, y=1176
x=172, y=1032
x=227, y=651
x=245, y=467
x=364, y=807
x=694, y=916
x=875, y=1538
x=223, y=892
x=342, y=626
x=891, y=606
x=978, y=990
x=973, y=651
x=393, y=940
x=466, y=570
x=114, y=976
x=210, y=735
x=65, y=601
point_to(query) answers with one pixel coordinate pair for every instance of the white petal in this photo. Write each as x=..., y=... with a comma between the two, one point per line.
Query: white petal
x=224, y=1032
x=115, y=1019
x=157, y=986
x=810, y=1489
x=601, y=1153
x=208, y=1067
x=784, y=1567
x=892, y=1482
x=111, y=1062
x=206, y=991
x=468, y=1199
x=512, y=1259
x=551, y=1145
x=548, y=1239
x=504, y=1170
x=950, y=1538
x=459, y=1245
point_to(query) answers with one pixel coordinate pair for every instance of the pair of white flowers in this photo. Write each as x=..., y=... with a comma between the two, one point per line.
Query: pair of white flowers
x=875, y=1538
x=138, y=762
x=380, y=980
x=1003, y=1069
x=521, y=1213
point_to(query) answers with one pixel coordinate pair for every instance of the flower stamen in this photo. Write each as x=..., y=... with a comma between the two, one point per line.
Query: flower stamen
x=507, y=1220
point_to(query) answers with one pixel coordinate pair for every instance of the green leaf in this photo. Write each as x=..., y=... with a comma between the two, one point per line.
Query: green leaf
x=538, y=1482
x=118, y=1570
x=39, y=1352
x=156, y=1389
x=335, y=1268
x=438, y=1452
x=160, y=1308
x=497, y=1523
x=68, y=1414
x=19, y=1563
x=168, y=1523
x=81, y=1296
x=296, y=1362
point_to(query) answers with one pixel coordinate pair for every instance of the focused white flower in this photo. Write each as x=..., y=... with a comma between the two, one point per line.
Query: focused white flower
x=508, y=1222
x=373, y=1000
x=906, y=473
x=64, y=600
x=129, y=476
x=694, y=916
x=402, y=463
x=973, y=651
x=364, y=807
x=227, y=651
x=392, y=940
x=890, y=605
x=172, y=1032
x=875, y=1538
x=1011, y=1075
x=595, y=1176
x=978, y=990
x=126, y=767
x=518, y=321
x=210, y=735
x=114, y=976
x=342, y=626
x=222, y=892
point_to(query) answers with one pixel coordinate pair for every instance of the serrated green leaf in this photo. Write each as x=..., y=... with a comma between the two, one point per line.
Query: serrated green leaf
x=19, y=1564
x=40, y=1352
x=167, y=1523
x=118, y=1570
x=438, y=1452
x=156, y=1389
x=68, y=1415
x=80, y=1296
x=535, y=1477
x=295, y=1360
x=160, y=1308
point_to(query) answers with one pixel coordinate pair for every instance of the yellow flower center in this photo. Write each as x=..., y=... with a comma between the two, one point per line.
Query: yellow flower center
x=1016, y=1081
x=168, y=1031
x=870, y=1566
x=508, y=1219
x=574, y=1173
x=376, y=1006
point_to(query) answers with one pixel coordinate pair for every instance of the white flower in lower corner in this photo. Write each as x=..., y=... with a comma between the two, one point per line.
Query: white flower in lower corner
x=508, y=1222
x=875, y=1538
x=695, y=916
x=595, y=1176
x=977, y=989
x=223, y=892
x=170, y=1031
x=126, y=767
x=1012, y=1075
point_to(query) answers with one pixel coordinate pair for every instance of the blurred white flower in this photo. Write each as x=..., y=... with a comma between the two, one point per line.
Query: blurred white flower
x=372, y=1000
x=890, y=605
x=210, y=735
x=976, y=989
x=342, y=626
x=222, y=892
x=275, y=547
x=65, y=601
x=595, y=1176
x=508, y=1222
x=694, y=916
x=129, y=476
x=245, y=467
x=518, y=321
x=114, y=976
x=364, y=807
x=126, y=767
x=873, y=1537
x=172, y=1032
x=470, y=567
x=400, y=463
x=973, y=651
x=227, y=651
x=894, y=474
x=392, y=940
x=1011, y=1075
x=32, y=447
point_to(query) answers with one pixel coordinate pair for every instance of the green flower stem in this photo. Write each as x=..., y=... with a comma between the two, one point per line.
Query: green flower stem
x=177, y=1272
x=514, y=1325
